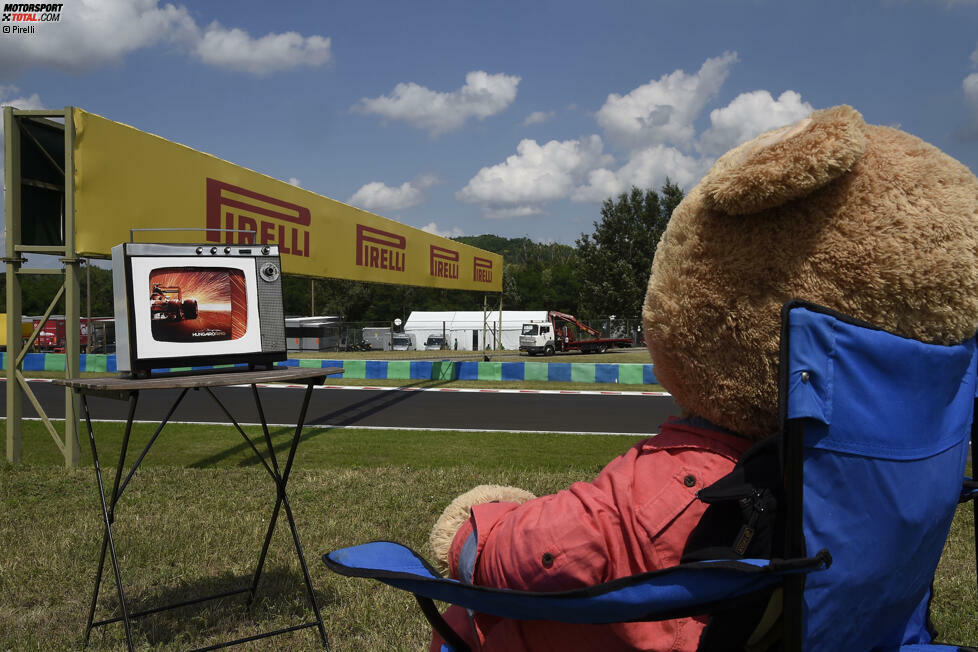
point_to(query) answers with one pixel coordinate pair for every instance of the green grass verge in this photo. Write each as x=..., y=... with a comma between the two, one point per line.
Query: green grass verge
x=192, y=522
x=222, y=447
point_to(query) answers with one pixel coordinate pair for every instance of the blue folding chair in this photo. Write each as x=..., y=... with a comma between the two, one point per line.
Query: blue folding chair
x=873, y=448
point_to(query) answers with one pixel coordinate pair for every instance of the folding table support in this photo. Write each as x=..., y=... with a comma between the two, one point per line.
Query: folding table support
x=129, y=390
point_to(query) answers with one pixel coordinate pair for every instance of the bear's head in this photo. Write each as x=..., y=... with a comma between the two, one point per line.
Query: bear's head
x=869, y=221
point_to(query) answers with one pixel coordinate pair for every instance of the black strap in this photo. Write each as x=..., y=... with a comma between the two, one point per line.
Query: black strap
x=438, y=623
x=974, y=474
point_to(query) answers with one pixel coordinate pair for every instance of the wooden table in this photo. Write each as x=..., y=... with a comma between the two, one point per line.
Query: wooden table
x=129, y=389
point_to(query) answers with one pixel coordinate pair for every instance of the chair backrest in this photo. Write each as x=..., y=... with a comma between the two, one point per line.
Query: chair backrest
x=880, y=425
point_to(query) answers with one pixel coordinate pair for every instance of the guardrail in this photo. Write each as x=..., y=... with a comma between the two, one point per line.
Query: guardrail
x=571, y=372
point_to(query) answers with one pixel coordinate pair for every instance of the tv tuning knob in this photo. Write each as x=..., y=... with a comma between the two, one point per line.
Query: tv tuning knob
x=265, y=251
x=270, y=271
x=200, y=250
x=227, y=250
x=213, y=250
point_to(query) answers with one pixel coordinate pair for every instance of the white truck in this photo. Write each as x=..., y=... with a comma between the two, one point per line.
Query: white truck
x=562, y=332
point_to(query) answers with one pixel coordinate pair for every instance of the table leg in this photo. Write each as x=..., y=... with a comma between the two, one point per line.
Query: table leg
x=282, y=499
x=116, y=492
x=98, y=583
x=107, y=535
x=133, y=398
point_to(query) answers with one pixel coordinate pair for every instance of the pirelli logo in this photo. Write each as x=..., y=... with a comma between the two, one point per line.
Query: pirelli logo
x=380, y=249
x=481, y=270
x=270, y=220
x=443, y=262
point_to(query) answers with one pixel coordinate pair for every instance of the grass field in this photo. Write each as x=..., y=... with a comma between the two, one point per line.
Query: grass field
x=191, y=523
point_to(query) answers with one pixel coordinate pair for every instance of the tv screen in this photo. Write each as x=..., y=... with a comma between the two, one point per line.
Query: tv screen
x=209, y=304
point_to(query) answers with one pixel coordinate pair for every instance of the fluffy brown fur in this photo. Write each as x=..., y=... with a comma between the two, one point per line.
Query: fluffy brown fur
x=458, y=512
x=867, y=220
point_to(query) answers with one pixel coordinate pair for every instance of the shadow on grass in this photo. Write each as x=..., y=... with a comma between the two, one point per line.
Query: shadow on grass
x=346, y=416
x=281, y=600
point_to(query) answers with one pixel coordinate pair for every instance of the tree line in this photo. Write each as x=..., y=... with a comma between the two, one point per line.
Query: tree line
x=605, y=273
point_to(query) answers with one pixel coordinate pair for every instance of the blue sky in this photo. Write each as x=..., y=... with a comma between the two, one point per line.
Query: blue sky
x=513, y=118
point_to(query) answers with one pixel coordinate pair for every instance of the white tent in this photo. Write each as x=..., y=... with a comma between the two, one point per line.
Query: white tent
x=465, y=327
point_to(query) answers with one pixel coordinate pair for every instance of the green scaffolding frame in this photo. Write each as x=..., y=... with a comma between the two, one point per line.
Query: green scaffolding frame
x=17, y=387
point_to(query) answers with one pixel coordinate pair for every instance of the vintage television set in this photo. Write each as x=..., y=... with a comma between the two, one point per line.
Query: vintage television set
x=181, y=305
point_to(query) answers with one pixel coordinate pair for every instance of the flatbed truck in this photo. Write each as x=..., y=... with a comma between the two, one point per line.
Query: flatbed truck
x=563, y=332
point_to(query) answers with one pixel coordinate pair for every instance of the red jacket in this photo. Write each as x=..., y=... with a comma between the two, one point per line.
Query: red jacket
x=633, y=518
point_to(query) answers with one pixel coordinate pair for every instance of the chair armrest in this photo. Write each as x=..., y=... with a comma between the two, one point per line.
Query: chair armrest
x=688, y=589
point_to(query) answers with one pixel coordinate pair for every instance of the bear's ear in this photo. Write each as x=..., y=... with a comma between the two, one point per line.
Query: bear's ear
x=786, y=163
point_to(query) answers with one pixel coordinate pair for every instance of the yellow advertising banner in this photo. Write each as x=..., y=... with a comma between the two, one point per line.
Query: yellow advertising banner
x=129, y=179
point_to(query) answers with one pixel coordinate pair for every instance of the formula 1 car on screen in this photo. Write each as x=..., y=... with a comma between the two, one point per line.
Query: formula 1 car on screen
x=167, y=302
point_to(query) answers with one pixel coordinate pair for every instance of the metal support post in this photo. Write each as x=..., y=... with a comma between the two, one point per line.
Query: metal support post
x=72, y=301
x=15, y=405
x=499, y=328
x=88, y=307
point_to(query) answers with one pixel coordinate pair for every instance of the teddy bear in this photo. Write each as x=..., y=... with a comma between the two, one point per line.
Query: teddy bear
x=866, y=220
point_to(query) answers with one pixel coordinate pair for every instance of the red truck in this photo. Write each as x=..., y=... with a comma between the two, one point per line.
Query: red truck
x=563, y=332
x=52, y=336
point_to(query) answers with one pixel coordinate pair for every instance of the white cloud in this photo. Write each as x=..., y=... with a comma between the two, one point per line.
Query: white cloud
x=30, y=103
x=377, y=196
x=537, y=117
x=93, y=33
x=432, y=228
x=426, y=181
x=647, y=168
x=295, y=182
x=655, y=124
x=235, y=49
x=573, y=169
x=535, y=174
x=506, y=213
x=483, y=95
x=748, y=115
x=970, y=87
x=663, y=111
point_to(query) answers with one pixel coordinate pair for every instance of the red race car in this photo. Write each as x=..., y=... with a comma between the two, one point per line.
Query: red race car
x=166, y=302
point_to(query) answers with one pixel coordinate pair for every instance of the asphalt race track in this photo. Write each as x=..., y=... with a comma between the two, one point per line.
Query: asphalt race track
x=640, y=414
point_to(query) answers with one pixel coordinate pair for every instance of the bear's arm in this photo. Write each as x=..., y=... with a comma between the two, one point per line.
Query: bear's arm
x=634, y=517
x=583, y=535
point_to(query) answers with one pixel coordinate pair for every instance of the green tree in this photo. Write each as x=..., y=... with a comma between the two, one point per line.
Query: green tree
x=536, y=276
x=37, y=291
x=614, y=261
